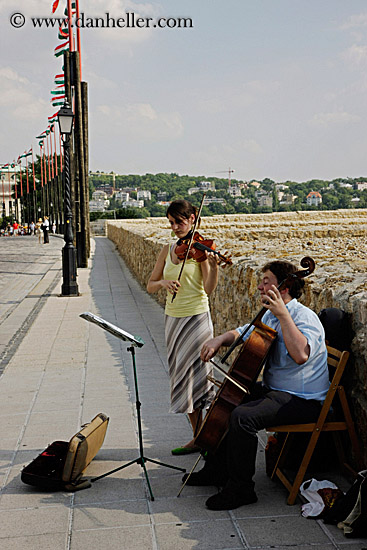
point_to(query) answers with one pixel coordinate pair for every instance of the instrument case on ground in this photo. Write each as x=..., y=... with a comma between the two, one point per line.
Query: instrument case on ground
x=61, y=465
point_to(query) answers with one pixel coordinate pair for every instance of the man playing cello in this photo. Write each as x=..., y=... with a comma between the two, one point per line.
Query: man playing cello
x=295, y=383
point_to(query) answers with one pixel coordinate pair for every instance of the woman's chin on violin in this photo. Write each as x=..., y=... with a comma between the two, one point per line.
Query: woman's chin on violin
x=181, y=227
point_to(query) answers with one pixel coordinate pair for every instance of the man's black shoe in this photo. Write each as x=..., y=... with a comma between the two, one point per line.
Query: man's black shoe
x=227, y=500
x=203, y=478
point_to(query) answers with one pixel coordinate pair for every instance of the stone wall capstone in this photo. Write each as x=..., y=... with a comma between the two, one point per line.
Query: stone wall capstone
x=336, y=240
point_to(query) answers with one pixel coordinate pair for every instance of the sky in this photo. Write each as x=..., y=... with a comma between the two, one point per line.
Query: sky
x=268, y=88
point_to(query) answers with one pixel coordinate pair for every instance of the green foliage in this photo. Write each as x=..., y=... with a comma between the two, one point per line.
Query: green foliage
x=175, y=186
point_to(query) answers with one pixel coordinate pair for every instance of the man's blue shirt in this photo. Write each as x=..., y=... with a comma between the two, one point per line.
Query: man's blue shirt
x=309, y=380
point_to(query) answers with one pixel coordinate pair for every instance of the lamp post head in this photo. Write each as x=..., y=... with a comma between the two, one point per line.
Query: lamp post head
x=65, y=119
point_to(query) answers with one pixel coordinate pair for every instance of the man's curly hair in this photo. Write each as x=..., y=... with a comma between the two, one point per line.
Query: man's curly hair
x=282, y=269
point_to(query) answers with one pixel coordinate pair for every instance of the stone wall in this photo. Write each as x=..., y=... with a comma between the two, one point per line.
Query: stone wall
x=336, y=240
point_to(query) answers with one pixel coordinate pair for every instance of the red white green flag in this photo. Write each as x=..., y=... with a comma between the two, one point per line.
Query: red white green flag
x=58, y=100
x=73, y=9
x=64, y=47
x=55, y=5
x=25, y=154
x=60, y=79
x=63, y=33
x=53, y=118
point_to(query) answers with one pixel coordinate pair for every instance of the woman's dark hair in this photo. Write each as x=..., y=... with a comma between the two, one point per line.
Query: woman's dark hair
x=282, y=269
x=182, y=210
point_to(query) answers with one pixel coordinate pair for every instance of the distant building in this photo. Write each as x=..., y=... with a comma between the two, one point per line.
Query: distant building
x=99, y=195
x=234, y=191
x=207, y=186
x=108, y=189
x=213, y=200
x=133, y=204
x=194, y=190
x=122, y=196
x=360, y=185
x=144, y=194
x=163, y=203
x=161, y=196
x=97, y=206
x=265, y=200
x=246, y=200
x=313, y=198
x=8, y=178
x=255, y=184
x=287, y=198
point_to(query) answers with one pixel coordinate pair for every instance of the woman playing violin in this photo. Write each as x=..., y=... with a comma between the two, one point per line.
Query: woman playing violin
x=187, y=319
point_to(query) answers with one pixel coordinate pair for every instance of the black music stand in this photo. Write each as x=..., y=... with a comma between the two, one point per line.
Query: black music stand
x=135, y=341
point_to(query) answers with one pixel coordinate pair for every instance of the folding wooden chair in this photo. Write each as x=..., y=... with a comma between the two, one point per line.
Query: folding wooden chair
x=326, y=422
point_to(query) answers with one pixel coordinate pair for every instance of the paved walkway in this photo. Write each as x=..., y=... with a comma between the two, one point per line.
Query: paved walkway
x=60, y=372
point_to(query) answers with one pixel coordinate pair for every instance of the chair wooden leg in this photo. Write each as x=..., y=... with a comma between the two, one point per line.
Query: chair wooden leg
x=282, y=455
x=351, y=429
x=303, y=467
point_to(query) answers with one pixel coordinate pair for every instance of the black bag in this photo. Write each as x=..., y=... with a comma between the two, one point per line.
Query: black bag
x=338, y=328
x=61, y=465
x=350, y=511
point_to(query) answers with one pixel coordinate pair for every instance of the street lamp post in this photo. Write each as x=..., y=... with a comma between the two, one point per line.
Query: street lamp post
x=69, y=286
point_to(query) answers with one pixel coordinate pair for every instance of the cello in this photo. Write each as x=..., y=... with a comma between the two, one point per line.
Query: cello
x=244, y=371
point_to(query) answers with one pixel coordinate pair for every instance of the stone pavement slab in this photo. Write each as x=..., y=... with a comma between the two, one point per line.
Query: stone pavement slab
x=60, y=375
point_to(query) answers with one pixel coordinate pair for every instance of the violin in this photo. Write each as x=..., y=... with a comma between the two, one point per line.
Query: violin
x=197, y=249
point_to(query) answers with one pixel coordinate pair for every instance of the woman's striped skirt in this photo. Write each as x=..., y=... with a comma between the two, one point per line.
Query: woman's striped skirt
x=185, y=337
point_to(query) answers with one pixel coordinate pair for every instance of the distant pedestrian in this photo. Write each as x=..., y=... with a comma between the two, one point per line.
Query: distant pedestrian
x=16, y=227
x=32, y=228
x=45, y=228
x=38, y=229
x=11, y=230
x=54, y=228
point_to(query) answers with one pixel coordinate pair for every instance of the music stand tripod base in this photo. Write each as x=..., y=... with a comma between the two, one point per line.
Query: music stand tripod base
x=135, y=341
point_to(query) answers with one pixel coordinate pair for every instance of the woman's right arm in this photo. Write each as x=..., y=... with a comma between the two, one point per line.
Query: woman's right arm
x=156, y=281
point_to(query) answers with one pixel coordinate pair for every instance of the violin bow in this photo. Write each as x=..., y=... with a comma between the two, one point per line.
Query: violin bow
x=190, y=243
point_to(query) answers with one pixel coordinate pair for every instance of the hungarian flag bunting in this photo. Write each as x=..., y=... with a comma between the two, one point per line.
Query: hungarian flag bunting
x=55, y=5
x=58, y=92
x=25, y=154
x=63, y=33
x=59, y=50
x=58, y=100
x=73, y=9
x=53, y=118
x=60, y=79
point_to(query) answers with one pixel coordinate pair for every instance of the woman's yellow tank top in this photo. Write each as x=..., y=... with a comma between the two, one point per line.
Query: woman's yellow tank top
x=191, y=298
